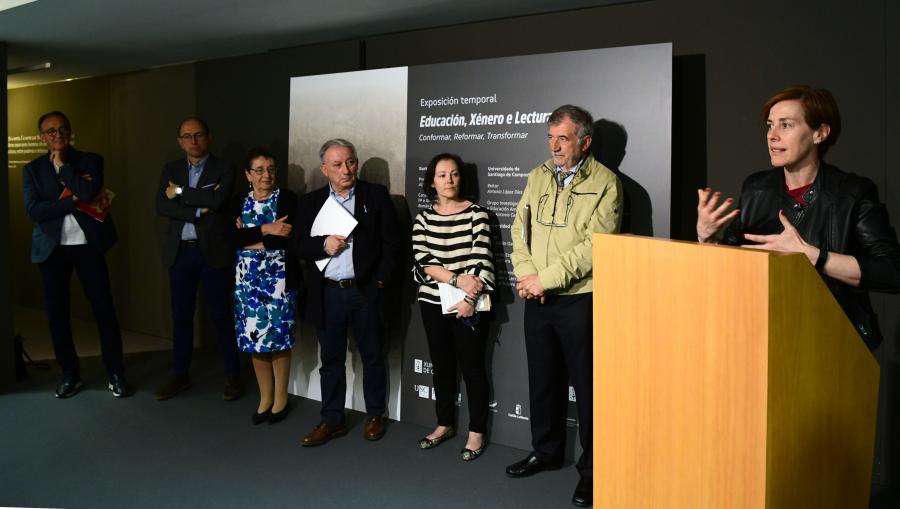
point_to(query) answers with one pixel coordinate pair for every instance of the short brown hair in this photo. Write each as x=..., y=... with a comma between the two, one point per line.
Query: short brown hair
x=819, y=107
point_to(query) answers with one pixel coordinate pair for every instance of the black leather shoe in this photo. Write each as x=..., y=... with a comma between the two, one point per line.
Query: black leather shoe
x=120, y=387
x=584, y=493
x=68, y=387
x=279, y=416
x=259, y=418
x=530, y=466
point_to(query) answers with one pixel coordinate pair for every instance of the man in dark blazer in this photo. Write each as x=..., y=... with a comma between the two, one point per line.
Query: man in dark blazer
x=66, y=237
x=193, y=193
x=350, y=289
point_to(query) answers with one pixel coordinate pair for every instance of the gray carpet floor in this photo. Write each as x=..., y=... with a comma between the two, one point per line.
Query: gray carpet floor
x=197, y=451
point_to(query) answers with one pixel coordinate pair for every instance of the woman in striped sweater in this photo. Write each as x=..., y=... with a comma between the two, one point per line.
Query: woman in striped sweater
x=452, y=245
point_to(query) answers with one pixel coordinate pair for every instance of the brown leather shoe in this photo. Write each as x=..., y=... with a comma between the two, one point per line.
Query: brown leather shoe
x=234, y=388
x=374, y=428
x=323, y=433
x=176, y=384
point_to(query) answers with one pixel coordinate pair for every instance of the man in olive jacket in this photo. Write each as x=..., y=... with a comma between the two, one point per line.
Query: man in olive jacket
x=566, y=200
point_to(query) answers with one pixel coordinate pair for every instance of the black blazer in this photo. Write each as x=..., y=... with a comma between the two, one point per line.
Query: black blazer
x=181, y=209
x=240, y=237
x=41, y=190
x=376, y=247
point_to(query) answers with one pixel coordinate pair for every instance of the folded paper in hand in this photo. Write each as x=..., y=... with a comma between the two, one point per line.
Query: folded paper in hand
x=451, y=295
x=98, y=208
x=332, y=219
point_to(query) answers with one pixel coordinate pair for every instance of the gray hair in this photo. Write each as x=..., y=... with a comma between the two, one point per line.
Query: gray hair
x=579, y=116
x=336, y=142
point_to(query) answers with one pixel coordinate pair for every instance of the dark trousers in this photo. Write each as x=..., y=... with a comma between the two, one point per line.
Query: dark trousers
x=56, y=275
x=365, y=315
x=453, y=344
x=185, y=276
x=558, y=341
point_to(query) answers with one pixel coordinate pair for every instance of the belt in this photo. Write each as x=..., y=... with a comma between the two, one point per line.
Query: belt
x=343, y=283
x=188, y=243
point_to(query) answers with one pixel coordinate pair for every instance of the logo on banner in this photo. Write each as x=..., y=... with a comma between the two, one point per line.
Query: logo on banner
x=432, y=393
x=492, y=406
x=423, y=390
x=458, y=399
x=518, y=414
x=571, y=394
x=422, y=366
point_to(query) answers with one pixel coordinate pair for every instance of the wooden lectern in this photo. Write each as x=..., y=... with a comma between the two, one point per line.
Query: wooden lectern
x=725, y=378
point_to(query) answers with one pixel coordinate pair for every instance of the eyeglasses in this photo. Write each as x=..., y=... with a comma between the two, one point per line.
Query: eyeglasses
x=260, y=170
x=53, y=132
x=189, y=136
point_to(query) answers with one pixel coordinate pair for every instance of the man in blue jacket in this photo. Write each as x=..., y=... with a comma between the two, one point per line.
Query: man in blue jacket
x=67, y=236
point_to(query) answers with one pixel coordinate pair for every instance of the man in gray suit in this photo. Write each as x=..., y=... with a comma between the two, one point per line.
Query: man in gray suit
x=192, y=194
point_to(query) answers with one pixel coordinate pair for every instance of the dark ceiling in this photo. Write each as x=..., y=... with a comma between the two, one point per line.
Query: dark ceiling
x=95, y=37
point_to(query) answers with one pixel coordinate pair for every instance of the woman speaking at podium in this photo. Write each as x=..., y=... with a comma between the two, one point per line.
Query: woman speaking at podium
x=805, y=205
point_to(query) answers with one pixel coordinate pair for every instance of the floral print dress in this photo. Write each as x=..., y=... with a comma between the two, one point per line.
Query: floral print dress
x=265, y=310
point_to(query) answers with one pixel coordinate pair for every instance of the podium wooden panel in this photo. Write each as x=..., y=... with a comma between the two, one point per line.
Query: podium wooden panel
x=725, y=378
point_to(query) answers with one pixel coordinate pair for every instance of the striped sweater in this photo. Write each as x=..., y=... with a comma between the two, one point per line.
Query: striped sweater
x=460, y=242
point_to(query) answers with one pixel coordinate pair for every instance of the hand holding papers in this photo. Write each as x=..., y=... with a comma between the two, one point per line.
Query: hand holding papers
x=332, y=219
x=451, y=295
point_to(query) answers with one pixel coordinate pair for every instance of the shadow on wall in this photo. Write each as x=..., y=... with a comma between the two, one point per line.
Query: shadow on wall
x=399, y=296
x=608, y=147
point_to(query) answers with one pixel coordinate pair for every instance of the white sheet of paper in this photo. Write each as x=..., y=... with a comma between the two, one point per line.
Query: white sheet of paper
x=450, y=295
x=332, y=219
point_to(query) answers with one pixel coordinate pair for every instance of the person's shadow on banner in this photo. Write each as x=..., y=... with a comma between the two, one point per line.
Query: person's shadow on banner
x=608, y=147
x=502, y=296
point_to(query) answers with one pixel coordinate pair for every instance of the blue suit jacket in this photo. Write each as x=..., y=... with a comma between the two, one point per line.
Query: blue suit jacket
x=212, y=192
x=41, y=189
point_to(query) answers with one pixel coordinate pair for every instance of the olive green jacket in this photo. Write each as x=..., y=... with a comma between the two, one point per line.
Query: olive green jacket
x=562, y=223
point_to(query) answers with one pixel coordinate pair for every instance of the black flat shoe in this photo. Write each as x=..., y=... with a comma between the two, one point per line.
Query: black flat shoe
x=68, y=387
x=584, y=493
x=259, y=418
x=430, y=443
x=279, y=416
x=120, y=387
x=469, y=455
x=530, y=466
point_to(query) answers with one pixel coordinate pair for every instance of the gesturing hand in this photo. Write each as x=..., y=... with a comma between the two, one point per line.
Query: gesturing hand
x=334, y=244
x=280, y=228
x=788, y=241
x=710, y=217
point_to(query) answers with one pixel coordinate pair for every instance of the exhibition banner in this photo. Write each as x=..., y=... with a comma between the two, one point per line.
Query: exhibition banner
x=493, y=114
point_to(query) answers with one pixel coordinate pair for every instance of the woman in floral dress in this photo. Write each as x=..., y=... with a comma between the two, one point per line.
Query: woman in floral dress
x=266, y=280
